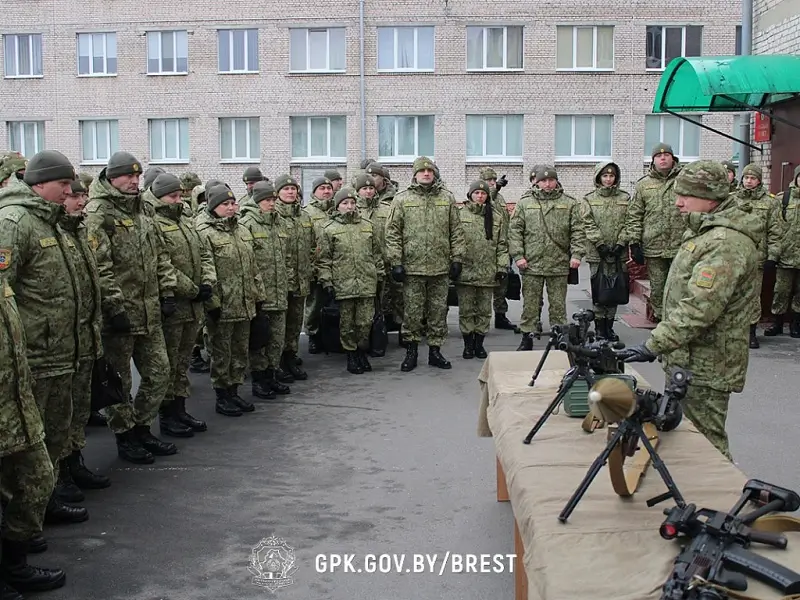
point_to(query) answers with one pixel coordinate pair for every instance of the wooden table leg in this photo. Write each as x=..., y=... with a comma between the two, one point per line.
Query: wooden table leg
x=520, y=576
x=502, y=489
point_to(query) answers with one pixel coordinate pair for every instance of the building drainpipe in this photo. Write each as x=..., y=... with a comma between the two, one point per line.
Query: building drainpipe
x=362, y=82
x=747, y=50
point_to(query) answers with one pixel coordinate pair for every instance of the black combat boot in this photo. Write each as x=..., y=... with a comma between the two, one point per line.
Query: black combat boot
x=96, y=419
x=469, y=345
x=130, y=448
x=198, y=364
x=526, y=343
x=82, y=476
x=601, y=329
x=610, y=333
x=152, y=444
x=66, y=489
x=240, y=403
x=401, y=340
x=182, y=416
x=260, y=387
x=17, y=573
x=776, y=328
x=435, y=358
x=794, y=328
x=169, y=424
x=480, y=351
x=9, y=593
x=501, y=322
x=353, y=364
x=37, y=544
x=58, y=513
x=361, y=355
x=224, y=406
x=283, y=376
x=290, y=365
x=271, y=379
x=313, y=344
x=753, y=339
x=410, y=361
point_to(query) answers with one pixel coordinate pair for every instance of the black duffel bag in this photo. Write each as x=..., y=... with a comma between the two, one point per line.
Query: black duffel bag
x=106, y=385
x=610, y=285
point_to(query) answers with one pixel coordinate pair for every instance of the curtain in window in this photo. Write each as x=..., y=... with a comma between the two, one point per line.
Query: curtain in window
x=495, y=47
x=337, y=48
x=319, y=137
x=299, y=137
x=386, y=144
x=475, y=48
x=405, y=48
x=605, y=48
x=585, y=44
x=564, y=48
x=514, y=47
x=474, y=135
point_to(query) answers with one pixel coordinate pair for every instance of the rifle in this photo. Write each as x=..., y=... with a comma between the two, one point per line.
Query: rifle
x=717, y=561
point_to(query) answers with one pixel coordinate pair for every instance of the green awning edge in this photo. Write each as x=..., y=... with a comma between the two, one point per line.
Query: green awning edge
x=727, y=83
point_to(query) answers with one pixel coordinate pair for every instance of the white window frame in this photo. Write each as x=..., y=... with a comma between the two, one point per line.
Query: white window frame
x=403, y=158
x=484, y=33
x=574, y=66
x=664, y=43
x=415, y=68
x=228, y=34
x=248, y=135
x=34, y=37
x=328, y=69
x=492, y=158
x=161, y=71
x=40, y=133
x=162, y=122
x=684, y=158
x=105, y=72
x=319, y=159
x=110, y=149
x=580, y=158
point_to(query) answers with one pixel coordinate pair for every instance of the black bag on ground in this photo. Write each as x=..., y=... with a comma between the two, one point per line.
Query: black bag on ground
x=106, y=385
x=610, y=285
x=452, y=295
x=513, y=287
x=378, y=335
x=329, y=328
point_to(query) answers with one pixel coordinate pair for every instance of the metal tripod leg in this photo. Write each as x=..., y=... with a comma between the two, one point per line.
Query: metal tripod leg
x=666, y=477
x=573, y=375
x=547, y=349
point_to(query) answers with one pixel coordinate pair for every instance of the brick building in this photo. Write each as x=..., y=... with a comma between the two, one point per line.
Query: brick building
x=215, y=86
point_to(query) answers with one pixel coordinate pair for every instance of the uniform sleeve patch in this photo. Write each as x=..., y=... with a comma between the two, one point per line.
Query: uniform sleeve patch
x=5, y=258
x=705, y=278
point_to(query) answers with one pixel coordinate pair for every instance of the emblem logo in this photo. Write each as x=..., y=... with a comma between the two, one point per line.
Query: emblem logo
x=272, y=563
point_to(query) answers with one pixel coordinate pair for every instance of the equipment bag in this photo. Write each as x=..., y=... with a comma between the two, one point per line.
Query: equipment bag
x=106, y=385
x=610, y=285
x=514, y=287
x=329, y=328
x=378, y=335
x=452, y=295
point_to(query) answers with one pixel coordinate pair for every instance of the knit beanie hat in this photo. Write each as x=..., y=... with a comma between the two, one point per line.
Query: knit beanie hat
x=263, y=190
x=122, y=163
x=165, y=184
x=48, y=165
x=343, y=194
x=216, y=196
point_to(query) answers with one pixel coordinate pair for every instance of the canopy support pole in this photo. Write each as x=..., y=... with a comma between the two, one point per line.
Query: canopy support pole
x=762, y=111
x=730, y=137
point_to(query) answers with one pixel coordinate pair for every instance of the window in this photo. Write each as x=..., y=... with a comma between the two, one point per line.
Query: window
x=26, y=137
x=319, y=139
x=666, y=43
x=493, y=48
x=317, y=50
x=585, y=48
x=497, y=137
x=167, y=52
x=738, y=50
x=23, y=54
x=97, y=54
x=405, y=48
x=583, y=137
x=239, y=139
x=684, y=137
x=405, y=138
x=169, y=140
x=99, y=140
x=238, y=50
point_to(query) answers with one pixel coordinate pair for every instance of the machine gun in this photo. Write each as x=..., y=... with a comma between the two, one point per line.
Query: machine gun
x=639, y=416
x=716, y=559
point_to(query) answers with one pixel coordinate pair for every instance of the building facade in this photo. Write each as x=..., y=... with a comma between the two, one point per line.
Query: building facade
x=197, y=86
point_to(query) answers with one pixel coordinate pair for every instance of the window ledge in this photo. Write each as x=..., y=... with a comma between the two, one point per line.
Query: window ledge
x=239, y=161
x=169, y=161
x=403, y=71
x=321, y=72
x=580, y=160
x=95, y=75
x=495, y=160
x=238, y=72
x=586, y=70
x=400, y=160
x=654, y=70
x=167, y=74
x=24, y=77
x=497, y=70
x=685, y=160
x=319, y=160
x=94, y=163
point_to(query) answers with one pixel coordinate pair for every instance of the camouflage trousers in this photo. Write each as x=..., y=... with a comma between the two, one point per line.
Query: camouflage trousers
x=602, y=312
x=179, y=339
x=425, y=299
x=149, y=355
x=355, y=322
x=270, y=357
x=474, y=308
x=294, y=323
x=657, y=271
x=500, y=304
x=81, y=406
x=757, y=285
x=228, y=343
x=533, y=287
x=314, y=305
x=787, y=291
x=28, y=480
x=54, y=397
x=392, y=299
x=707, y=409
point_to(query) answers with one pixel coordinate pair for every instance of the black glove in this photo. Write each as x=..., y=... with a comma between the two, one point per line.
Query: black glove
x=214, y=314
x=618, y=250
x=455, y=270
x=259, y=331
x=604, y=250
x=500, y=276
x=168, y=306
x=121, y=323
x=502, y=182
x=399, y=273
x=637, y=254
x=640, y=353
x=770, y=265
x=204, y=292
x=330, y=295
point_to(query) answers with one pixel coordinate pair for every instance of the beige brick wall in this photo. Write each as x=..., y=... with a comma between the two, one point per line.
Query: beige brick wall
x=540, y=92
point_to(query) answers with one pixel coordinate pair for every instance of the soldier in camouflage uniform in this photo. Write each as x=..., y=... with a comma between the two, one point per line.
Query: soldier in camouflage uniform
x=708, y=298
x=36, y=261
x=137, y=285
x=350, y=266
x=485, y=264
x=787, y=278
x=768, y=211
x=196, y=276
x=335, y=178
x=266, y=226
x=238, y=297
x=189, y=181
x=654, y=225
x=730, y=169
x=603, y=214
x=150, y=176
x=545, y=239
x=362, y=170
x=425, y=245
x=319, y=209
x=12, y=167
x=252, y=175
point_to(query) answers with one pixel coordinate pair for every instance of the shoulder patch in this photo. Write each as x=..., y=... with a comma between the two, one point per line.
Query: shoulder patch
x=689, y=246
x=705, y=278
x=48, y=242
x=5, y=258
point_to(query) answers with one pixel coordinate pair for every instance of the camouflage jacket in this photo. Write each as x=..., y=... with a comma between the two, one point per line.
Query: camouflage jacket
x=20, y=421
x=90, y=311
x=423, y=231
x=350, y=258
x=483, y=258
x=546, y=231
x=269, y=238
x=603, y=214
x=653, y=219
x=387, y=194
x=192, y=261
x=377, y=213
x=497, y=198
x=134, y=267
x=301, y=245
x=194, y=204
x=320, y=212
x=239, y=286
x=789, y=252
x=708, y=298
x=768, y=210
x=37, y=263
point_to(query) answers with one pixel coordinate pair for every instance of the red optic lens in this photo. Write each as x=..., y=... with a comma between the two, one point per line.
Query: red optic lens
x=668, y=531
